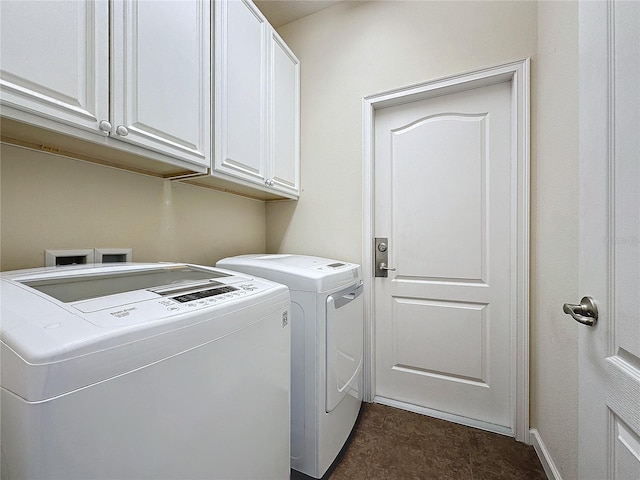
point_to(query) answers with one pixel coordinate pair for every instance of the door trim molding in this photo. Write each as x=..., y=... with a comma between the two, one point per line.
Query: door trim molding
x=518, y=74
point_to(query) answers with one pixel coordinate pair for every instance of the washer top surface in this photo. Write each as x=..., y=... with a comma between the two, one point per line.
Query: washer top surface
x=298, y=272
x=67, y=327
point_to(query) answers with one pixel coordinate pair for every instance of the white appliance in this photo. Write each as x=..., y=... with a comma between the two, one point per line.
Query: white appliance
x=143, y=371
x=326, y=350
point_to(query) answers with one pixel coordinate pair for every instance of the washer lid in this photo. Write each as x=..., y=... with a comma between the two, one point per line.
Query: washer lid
x=99, y=283
x=298, y=272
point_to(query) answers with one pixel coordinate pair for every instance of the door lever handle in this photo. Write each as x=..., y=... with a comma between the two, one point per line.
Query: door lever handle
x=586, y=312
x=383, y=266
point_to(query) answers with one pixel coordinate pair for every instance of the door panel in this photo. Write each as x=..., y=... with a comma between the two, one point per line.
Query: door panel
x=460, y=355
x=443, y=189
x=439, y=163
x=609, y=352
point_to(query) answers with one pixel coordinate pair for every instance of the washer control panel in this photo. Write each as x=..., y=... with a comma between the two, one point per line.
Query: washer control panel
x=204, y=294
x=210, y=296
x=167, y=306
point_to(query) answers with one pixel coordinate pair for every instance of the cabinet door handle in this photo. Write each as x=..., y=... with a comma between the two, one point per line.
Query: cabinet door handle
x=105, y=126
x=122, y=130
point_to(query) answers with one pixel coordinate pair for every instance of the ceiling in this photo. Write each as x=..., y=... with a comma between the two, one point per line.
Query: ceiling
x=281, y=12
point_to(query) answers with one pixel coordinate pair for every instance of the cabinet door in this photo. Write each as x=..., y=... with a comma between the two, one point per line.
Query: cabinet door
x=160, y=76
x=285, y=118
x=55, y=60
x=240, y=90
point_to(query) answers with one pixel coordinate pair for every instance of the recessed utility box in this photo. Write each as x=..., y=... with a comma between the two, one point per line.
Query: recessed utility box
x=113, y=255
x=81, y=256
x=68, y=257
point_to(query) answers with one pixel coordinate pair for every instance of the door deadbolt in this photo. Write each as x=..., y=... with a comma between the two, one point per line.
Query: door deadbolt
x=381, y=258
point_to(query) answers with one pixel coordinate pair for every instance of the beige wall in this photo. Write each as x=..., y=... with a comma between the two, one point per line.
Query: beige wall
x=357, y=49
x=554, y=233
x=49, y=202
x=347, y=52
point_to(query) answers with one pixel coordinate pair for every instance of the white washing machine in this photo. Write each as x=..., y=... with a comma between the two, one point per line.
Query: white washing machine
x=326, y=350
x=143, y=371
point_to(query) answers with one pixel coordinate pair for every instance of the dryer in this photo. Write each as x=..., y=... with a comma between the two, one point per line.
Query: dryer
x=326, y=351
x=143, y=371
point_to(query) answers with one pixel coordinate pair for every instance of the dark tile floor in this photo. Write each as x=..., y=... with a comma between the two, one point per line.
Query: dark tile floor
x=390, y=444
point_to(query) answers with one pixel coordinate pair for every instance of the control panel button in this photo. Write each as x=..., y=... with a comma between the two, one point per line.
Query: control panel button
x=189, y=297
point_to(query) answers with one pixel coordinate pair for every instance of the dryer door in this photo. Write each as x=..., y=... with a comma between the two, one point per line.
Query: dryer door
x=344, y=345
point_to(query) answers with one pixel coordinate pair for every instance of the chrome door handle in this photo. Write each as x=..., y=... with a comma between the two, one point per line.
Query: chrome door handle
x=586, y=312
x=383, y=266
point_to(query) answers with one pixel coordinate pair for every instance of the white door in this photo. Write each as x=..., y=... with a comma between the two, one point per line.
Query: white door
x=161, y=90
x=609, y=351
x=55, y=61
x=445, y=198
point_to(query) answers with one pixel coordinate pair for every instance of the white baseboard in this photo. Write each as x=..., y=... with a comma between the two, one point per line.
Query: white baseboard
x=543, y=454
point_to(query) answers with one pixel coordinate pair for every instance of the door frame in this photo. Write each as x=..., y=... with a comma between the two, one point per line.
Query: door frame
x=518, y=73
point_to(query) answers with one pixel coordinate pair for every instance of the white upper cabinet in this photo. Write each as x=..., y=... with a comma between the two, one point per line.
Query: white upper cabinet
x=129, y=83
x=131, y=75
x=55, y=60
x=257, y=97
x=160, y=70
x=285, y=118
x=240, y=90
